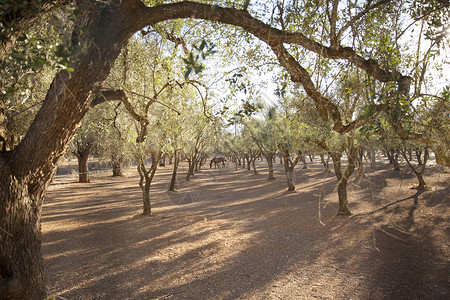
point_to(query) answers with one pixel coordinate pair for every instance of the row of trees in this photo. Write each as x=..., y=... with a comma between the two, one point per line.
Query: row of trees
x=147, y=111
x=348, y=65
x=294, y=135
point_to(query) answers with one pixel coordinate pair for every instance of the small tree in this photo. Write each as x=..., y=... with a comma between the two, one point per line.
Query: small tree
x=419, y=169
x=88, y=135
x=251, y=150
x=265, y=133
x=336, y=151
x=195, y=142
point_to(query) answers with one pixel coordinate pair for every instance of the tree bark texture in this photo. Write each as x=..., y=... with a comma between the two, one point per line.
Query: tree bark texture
x=27, y=170
x=146, y=204
x=20, y=231
x=290, y=180
x=343, y=178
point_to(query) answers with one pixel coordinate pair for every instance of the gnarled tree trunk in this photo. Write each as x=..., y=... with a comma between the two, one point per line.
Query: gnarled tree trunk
x=146, y=178
x=27, y=170
x=342, y=177
x=419, y=171
x=82, y=155
x=289, y=166
x=20, y=230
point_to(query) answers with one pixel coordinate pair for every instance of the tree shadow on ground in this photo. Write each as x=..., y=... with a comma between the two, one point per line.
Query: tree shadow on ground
x=242, y=237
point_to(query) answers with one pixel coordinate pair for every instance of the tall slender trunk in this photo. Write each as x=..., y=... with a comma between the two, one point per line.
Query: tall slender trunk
x=196, y=161
x=144, y=184
x=193, y=165
x=189, y=172
x=360, y=162
x=342, y=190
x=192, y=161
x=254, y=165
x=269, y=158
x=174, y=173
x=343, y=178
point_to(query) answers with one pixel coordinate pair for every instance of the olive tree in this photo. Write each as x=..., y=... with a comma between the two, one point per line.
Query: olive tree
x=100, y=30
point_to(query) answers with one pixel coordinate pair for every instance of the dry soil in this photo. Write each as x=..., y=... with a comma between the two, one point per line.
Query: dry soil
x=231, y=234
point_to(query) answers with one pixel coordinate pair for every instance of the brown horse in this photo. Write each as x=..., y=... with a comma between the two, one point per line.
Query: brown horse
x=216, y=161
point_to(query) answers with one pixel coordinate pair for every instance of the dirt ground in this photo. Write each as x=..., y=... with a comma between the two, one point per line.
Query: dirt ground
x=231, y=234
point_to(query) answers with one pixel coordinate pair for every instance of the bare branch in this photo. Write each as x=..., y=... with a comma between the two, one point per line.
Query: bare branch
x=263, y=31
x=325, y=105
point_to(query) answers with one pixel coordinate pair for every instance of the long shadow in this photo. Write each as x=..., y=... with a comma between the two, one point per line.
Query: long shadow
x=98, y=254
x=408, y=264
x=233, y=242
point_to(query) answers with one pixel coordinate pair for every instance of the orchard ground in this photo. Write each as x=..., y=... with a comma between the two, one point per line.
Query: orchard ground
x=231, y=234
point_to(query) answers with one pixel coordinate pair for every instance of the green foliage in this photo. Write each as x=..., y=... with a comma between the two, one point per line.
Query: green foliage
x=195, y=59
x=436, y=15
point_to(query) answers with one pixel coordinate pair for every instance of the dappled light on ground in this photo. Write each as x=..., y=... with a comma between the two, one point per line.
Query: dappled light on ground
x=230, y=234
